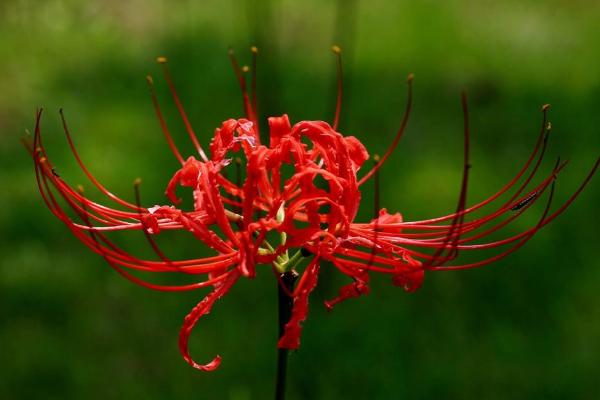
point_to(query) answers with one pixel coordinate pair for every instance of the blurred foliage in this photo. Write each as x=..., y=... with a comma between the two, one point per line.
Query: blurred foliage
x=526, y=327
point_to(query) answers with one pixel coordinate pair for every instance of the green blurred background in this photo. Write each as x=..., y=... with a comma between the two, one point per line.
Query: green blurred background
x=525, y=327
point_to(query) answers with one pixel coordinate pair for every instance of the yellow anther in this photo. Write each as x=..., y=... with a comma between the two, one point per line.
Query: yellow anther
x=336, y=49
x=161, y=60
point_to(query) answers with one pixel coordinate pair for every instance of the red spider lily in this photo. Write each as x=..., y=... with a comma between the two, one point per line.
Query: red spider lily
x=310, y=211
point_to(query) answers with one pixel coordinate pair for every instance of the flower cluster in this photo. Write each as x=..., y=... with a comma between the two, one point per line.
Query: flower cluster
x=292, y=206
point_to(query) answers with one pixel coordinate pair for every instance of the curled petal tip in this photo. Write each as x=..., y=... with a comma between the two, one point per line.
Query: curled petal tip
x=411, y=281
x=354, y=289
x=211, y=366
x=290, y=342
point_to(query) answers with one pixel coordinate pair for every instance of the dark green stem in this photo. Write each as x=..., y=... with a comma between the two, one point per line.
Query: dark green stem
x=288, y=279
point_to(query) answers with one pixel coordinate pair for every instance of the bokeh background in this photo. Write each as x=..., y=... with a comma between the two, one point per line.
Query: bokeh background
x=525, y=327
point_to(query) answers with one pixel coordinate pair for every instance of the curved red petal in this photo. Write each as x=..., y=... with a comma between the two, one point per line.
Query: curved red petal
x=202, y=308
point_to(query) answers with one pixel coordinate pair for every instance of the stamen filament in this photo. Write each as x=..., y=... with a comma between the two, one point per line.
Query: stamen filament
x=398, y=134
x=340, y=82
x=184, y=117
x=162, y=122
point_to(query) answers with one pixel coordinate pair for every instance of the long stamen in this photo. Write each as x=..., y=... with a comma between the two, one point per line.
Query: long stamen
x=162, y=122
x=188, y=126
x=459, y=215
x=46, y=168
x=113, y=254
x=254, y=51
x=239, y=72
x=519, y=208
x=437, y=242
x=510, y=204
x=536, y=166
x=466, y=165
x=398, y=134
x=541, y=141
x=539, y=190
x=571, y=199
x=376, y=208
x=340, y=81
x=95, y=245
x=85, y=169
x=525, y=239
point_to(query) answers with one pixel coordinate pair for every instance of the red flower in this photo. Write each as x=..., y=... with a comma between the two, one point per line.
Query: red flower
x=312, y=209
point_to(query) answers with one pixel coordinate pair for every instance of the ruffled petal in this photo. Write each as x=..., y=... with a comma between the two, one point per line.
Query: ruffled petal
x=409, y=281
x=278, y=128
x=293, y=329
x=192, y=318
x=358, y=152
x=355, y=289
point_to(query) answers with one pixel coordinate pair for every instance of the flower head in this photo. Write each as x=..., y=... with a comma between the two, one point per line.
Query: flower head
x=292, y=206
